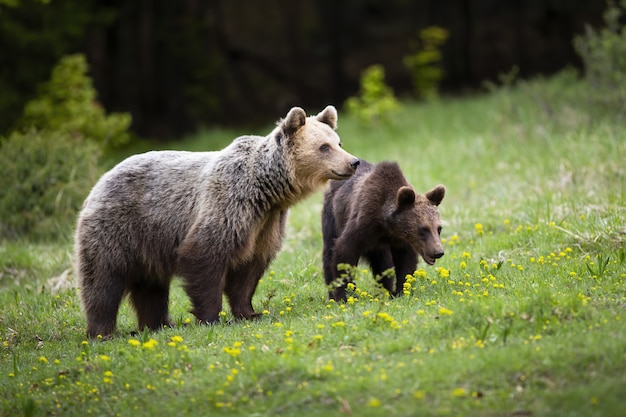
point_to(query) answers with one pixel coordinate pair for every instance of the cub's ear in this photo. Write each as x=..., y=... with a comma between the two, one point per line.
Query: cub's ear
x=328, y=116
x=296, y=118
x=436, y=194
x=405, y=197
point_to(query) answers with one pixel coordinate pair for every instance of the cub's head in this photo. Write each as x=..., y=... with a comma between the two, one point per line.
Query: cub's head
x=315, y=148
x=415, y=220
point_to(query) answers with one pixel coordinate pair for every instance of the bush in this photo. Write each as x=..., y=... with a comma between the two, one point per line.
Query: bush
x=424, y=63
x=51, y=161
x=67, y=104
x=44, y=179
x=376, y=100
x=603, y=53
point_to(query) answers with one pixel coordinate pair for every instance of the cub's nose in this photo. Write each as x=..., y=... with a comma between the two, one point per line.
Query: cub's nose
x=438, y=255
x=355, y=163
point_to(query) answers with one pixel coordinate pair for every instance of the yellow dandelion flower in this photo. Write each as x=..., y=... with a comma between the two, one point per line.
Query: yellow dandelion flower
x=445, y=311
x=150, y=344
x=459, y=392
x=134, y=342
x=43, y=359
x=443, y=272
x=419, y=394
x=420, y=273
x=374, y=402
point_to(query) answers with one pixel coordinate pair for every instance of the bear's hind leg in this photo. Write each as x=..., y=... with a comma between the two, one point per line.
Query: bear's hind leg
x=151, y=305
x=101, y=304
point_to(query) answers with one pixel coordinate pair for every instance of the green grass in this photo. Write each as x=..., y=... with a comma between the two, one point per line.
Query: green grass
x=523, y=316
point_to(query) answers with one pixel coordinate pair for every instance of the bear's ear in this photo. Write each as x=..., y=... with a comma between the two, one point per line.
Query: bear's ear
x=296, y=118
x=328, y=116
x=405, y=197
x=436, y=194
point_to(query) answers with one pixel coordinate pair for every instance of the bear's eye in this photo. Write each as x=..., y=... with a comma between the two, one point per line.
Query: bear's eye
x=424, y=231
x=439, y=230
x=325, y=147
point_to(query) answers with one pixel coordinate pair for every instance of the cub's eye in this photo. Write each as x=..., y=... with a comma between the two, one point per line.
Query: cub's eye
x=424, y=231
x=325, y=147
x=439, y=230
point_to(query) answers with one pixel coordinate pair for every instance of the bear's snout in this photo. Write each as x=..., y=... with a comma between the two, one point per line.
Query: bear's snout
x=438, y=254
x=355, y=163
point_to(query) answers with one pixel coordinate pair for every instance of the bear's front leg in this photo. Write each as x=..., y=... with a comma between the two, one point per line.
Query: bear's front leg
x=241, y=283
x=381, y=262
x=204, y=277
x=405, y=260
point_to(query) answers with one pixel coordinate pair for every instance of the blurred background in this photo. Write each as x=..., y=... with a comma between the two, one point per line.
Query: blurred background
x=177, y=66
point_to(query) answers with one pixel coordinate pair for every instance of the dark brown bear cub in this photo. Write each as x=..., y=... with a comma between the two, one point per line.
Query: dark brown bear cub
x=376, y=215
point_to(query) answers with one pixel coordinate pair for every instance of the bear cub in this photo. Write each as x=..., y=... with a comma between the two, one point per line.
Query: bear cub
x=376, y=215
x=215, y=219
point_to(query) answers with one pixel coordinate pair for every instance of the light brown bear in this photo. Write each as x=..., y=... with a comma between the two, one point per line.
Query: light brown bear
x=376, y=215
x=216, y=219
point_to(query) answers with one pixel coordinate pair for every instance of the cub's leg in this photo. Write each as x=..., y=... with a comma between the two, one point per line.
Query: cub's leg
x=380, y=261
x=405, y=260
x=151, y=305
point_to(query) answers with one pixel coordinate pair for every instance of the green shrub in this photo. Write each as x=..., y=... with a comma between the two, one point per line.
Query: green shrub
x=67, y=104
x=51, y=161
x=376, y=101
x=44, y=179
x=424, y=63
x=603, y=53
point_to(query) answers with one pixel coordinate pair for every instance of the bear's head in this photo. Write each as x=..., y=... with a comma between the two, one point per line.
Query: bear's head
x=415, y=220
x=315, y=148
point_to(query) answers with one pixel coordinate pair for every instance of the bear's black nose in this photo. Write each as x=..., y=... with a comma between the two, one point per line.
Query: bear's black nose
x=438, y=255
x=355, y=163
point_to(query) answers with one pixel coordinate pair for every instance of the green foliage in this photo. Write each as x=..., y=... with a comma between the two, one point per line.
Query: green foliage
x=45, y=177
x=376, y=101
x=424, y=63
x=49, y=165
x=603, y=52
x=67, y=104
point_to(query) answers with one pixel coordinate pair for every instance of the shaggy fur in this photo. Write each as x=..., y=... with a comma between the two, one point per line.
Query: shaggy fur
x=216, y=219
x=376, y=215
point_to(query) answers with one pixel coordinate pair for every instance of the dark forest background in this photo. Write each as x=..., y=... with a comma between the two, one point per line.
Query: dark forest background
x=180, y=65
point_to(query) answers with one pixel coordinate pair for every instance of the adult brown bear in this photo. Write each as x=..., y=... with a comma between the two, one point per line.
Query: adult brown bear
x=216, y=219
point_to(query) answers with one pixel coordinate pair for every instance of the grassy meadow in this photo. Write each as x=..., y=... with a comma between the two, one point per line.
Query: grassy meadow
x=523, y=316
